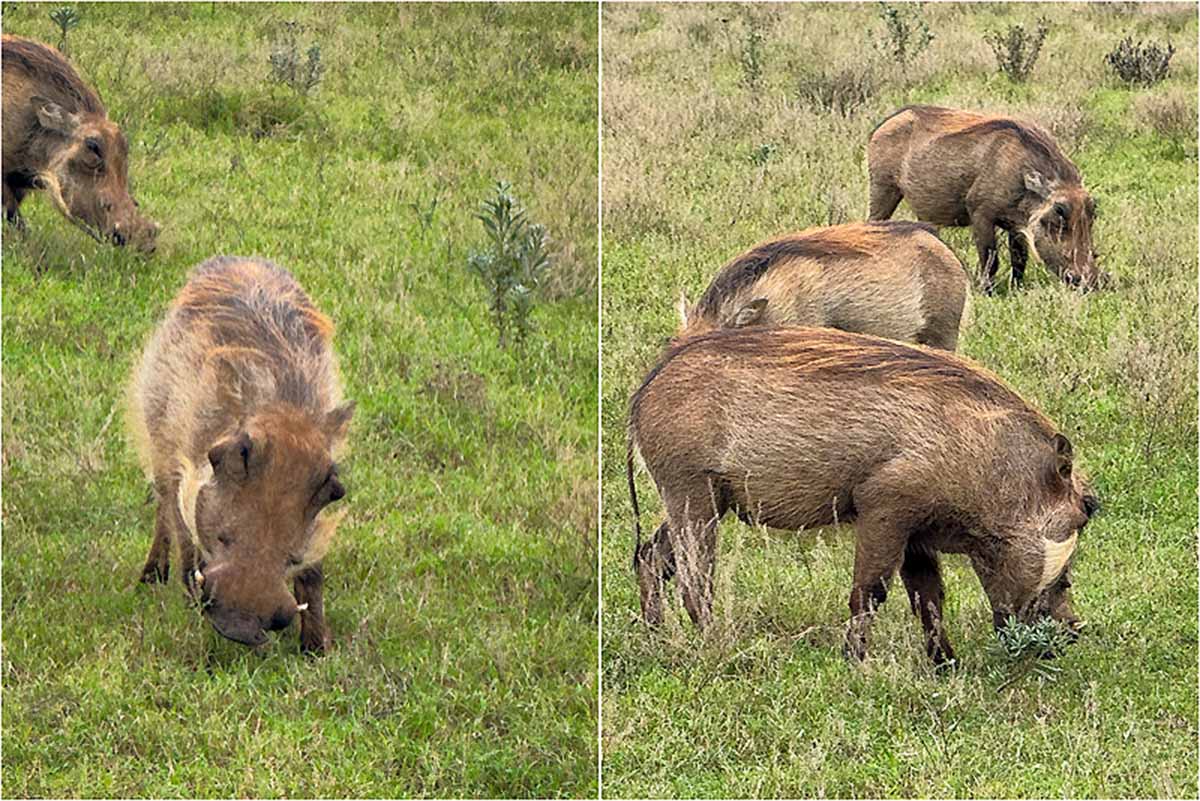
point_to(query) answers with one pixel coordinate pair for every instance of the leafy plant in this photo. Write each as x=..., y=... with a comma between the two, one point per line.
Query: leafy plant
x=288, y=67
x=513, y=265
x=1026, y=648
x=760, y=155
x=1017, y=50
x=66, y=18
x=752, y=56
x=426, y=212
x=906, y=34
x=1140, y=64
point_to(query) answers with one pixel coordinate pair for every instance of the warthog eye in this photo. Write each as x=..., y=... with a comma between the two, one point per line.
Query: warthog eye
x=225, y=538
x=331, y=489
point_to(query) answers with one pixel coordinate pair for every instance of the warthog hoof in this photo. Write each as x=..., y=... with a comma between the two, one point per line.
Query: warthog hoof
x=155, y=574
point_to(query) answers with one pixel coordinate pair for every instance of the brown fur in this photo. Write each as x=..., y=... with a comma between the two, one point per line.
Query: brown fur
x=57, y=137
x=237, y=413
x=923, y=451
x=890, y=279
x=987, y=172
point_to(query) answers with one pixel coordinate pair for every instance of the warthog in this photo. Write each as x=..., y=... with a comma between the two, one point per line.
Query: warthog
x=57, y=137
x=924, y=452
x=988, y=172
x=236, y=410
x=889, y=279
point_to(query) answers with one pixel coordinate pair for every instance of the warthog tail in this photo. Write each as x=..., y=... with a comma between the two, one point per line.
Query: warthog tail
x=637, y=517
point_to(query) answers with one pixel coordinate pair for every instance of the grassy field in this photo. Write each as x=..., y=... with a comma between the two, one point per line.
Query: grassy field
x=462, y=589
x=715, y=136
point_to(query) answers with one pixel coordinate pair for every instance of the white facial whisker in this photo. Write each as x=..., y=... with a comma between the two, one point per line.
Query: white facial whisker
x=1055, y=556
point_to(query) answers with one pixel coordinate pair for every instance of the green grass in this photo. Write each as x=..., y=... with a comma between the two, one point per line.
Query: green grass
x=764, y=704
x=461, y=591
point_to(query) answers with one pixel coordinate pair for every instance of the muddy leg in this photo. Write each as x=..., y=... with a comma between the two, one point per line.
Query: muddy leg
x=877, y=554
x=309, y=587
x=1018, y=251
x=885, y=197
x=655, y=566
x=984, y=232
x=12, y=206
x=922, y=577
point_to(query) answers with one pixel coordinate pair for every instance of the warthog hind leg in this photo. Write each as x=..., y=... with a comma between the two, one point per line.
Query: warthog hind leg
x=654, y=563
x=693, y=516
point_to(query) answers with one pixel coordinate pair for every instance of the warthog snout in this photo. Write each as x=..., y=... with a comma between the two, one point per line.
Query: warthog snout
x=237, y=626
x=239, y=607
x=246, y=627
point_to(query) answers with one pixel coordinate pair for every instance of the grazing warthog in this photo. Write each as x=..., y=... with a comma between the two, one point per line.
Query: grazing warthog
x=57, y=137
x=236, y=409
x=958, y=168
x=889, y=279
x=923, y=451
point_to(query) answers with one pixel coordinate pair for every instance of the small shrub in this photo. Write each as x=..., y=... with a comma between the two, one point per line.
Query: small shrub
x=1025, y=648
x=288, y=67
x=752, y=56
x=1017, y=50
x=66, y=18
x=1140, y=64
x=698, y=33
x=1171, y=114
x=760, y=155
x=513, y=265
x=841, y=91
x=906, y=34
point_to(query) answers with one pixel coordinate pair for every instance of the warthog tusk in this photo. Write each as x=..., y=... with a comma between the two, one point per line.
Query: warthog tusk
x=49, y=183
x=199, y=577
x=302, y=607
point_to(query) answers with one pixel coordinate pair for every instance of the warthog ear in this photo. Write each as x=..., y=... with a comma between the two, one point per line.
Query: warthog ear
x=1035, y=184
x=681, y=306
x=54, y=117
x=233, y=457
x=749, y=314
x=1063, y=456
x=337, y=421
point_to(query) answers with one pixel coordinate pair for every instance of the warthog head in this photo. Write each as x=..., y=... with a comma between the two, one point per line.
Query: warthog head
x=1060, y=227
x=257, y=517
x=1033, y=582
x=86, y=175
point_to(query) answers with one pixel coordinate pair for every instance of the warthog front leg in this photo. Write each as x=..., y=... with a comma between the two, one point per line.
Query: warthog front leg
x=878, y=550
x=158, y=561
x=983, y=230
x=1018, y=251
x=309, y=588
x=12, y=205
x=922, y=577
